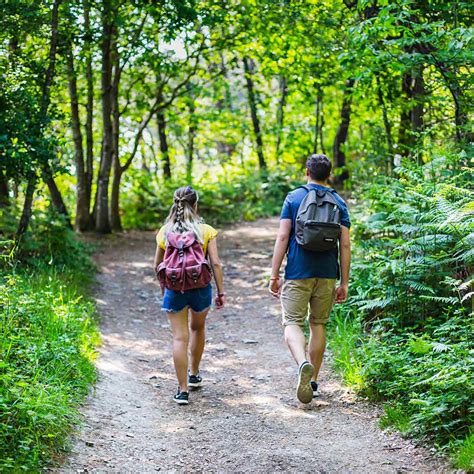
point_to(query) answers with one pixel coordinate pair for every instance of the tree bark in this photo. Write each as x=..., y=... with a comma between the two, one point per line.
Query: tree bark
x=4, y=194
x=47, y=172
x=411, y=116
x=27, y=208
x=89, y=172
x=115, y=220
x=341, y=135
x=82, y=202
x=281, y=115
x=191, y=138
x=404, y=136
x=161, y=121
x=318, y=131
x=102, y=222
x=387, y=126
x=249, y=71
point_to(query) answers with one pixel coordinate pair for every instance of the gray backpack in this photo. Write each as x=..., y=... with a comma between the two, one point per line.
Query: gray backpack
x=318, y=221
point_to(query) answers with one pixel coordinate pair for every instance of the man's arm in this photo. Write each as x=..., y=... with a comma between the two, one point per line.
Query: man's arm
x=345, y=250
x=281, y=245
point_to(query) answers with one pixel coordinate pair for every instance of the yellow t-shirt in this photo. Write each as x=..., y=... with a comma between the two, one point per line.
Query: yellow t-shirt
x=208, y=233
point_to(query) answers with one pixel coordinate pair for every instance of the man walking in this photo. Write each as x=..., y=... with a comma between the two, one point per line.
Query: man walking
x=310, y=275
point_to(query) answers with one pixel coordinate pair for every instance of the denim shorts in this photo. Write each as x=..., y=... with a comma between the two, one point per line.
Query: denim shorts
x=198, y=299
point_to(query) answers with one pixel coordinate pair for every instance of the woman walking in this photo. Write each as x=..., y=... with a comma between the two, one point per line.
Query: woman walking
x=185, y=254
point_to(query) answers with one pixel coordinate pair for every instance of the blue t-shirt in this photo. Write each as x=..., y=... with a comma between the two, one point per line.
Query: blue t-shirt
x=303, y=263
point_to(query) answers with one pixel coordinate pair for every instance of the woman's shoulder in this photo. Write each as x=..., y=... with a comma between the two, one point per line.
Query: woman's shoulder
x=208, y=231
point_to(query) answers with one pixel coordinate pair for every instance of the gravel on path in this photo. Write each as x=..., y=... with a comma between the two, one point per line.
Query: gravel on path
x=246, y=417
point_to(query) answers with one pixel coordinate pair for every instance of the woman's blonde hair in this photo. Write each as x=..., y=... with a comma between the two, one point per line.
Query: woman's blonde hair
x=183, y=216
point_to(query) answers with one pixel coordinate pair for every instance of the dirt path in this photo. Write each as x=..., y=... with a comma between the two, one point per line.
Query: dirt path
x=245, y=418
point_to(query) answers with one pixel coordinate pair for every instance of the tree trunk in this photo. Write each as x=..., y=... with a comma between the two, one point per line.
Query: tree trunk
x=47, y=172
x=191, y=138
x=404, y=135
x=89, y=172
x=417, y=121
x=4, y=194
x=56, y=196
x=102, y=222
x=411, y=117
x=281, y=115
x=161, y=122
x=115, y=220
x=341, y=135
x=321, y=125
x=387, y=126
x=318, y=131
x=82, y=203
x=27, y=208
x=249, y=70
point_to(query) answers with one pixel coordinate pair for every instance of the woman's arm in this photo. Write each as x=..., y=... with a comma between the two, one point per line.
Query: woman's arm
x=159, y=255
x=217, y=270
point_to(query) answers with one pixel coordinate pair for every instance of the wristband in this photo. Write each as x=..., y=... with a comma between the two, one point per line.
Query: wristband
x=220, y=295
x=274, y=278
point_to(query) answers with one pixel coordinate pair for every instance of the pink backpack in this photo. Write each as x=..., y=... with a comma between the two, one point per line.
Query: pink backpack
x=184, y=266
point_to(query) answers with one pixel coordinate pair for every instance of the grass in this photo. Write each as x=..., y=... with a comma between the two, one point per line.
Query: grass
x=427, y=393
x=345, y=335
x=463, y=456
x=48, y=332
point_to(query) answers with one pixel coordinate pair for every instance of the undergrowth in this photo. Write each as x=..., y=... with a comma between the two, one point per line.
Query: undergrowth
x=47, y=337
x=405, y=336
x=226, y=195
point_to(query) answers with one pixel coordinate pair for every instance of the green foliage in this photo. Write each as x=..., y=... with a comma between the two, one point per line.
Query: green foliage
x=47, y=338
x=464, y=454
x=406, y=335
x=232, y=195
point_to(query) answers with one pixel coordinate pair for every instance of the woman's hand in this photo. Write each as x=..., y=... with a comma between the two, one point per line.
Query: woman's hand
x=220, y=300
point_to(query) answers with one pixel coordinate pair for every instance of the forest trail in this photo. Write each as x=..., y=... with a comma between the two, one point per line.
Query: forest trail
x=246, y=417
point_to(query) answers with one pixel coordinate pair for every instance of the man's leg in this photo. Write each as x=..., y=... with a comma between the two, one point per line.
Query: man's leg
x=296, y=342
x=295, y=297
x=317, y=346
x=321, y=303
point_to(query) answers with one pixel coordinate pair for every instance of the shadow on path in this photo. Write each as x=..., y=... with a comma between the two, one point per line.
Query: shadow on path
x=246, y=417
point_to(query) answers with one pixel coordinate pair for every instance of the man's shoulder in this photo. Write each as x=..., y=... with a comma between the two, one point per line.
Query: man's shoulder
x=296, y=193
x=339, y=198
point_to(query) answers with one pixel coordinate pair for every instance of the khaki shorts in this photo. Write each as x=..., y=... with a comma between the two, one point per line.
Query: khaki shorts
x=297, y=295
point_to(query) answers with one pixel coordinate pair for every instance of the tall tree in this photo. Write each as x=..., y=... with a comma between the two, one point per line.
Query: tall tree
x=283, y=83
x=102, y=223
x=339, y=155
x=41, y=123
x=249, y=69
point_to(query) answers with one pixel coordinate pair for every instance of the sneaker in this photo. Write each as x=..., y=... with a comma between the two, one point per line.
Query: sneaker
x=194, y=381
x=181, y=398
x=314, y=386
x=304, y=392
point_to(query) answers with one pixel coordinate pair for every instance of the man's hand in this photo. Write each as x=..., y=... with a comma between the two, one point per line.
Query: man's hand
x=341, y=293
x=275, y=287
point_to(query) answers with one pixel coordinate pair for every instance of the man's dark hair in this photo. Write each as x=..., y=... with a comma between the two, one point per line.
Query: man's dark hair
x=319, y=167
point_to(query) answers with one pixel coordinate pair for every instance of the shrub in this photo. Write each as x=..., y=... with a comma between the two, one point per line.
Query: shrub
x=405, y=336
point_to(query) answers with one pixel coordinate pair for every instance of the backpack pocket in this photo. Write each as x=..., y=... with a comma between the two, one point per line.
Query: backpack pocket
x=197, y=276
x=171, y=278
x=320, y=236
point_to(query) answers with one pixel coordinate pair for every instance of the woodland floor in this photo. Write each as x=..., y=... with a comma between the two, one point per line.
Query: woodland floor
x=246, y=417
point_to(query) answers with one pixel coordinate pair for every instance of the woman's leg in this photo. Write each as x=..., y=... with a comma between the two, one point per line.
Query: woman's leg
x=179, y=326
x=198, y=339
